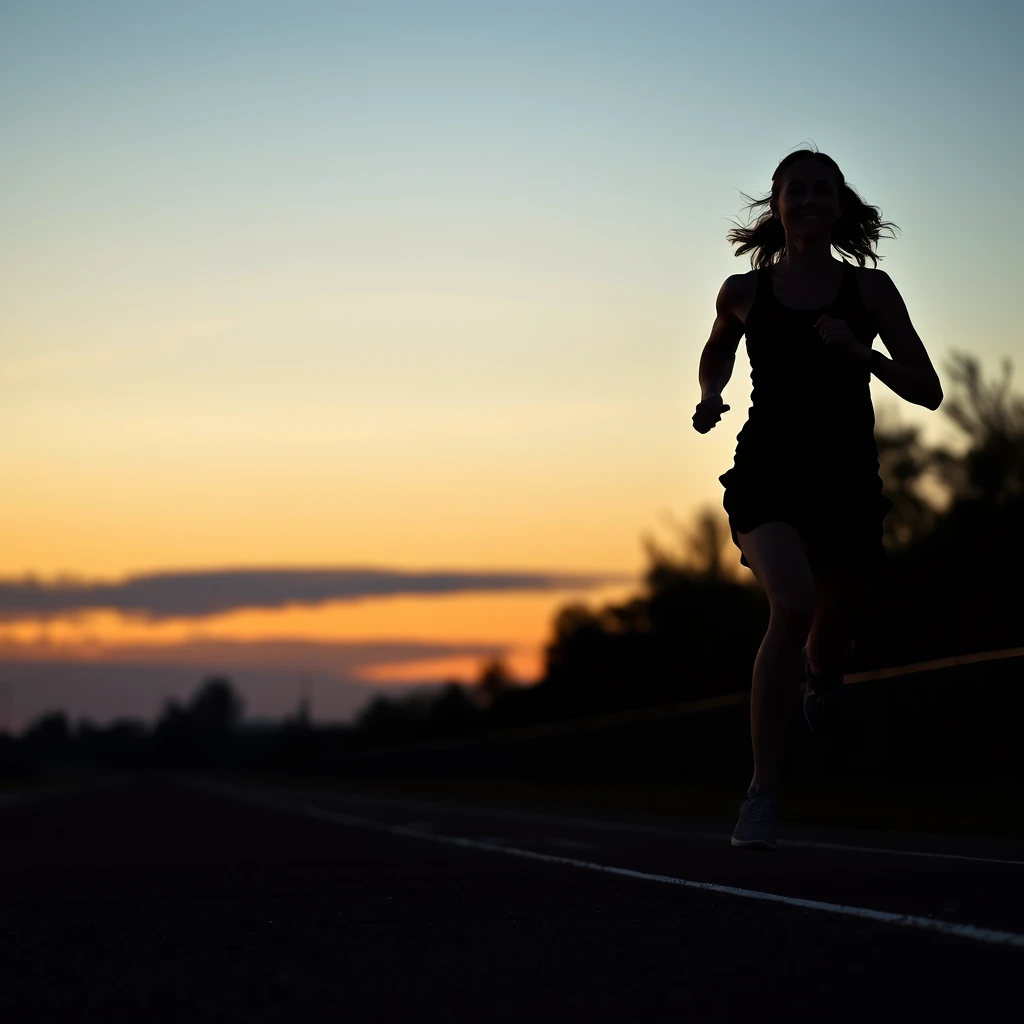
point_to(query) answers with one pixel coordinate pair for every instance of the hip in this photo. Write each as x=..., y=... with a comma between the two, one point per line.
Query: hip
x=853, y=490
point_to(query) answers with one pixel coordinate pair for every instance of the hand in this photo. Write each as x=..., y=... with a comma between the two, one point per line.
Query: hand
x=709, y=412
x=839, y=338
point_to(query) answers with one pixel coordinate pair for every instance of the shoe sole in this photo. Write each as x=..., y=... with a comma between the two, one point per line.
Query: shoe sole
x=753, y=844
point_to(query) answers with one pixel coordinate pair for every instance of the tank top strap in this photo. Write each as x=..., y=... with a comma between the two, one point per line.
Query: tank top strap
x=763, y=292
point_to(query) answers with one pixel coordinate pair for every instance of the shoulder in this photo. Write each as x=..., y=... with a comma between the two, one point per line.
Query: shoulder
x=738, y=292
x=740, y=286
x=876, y=288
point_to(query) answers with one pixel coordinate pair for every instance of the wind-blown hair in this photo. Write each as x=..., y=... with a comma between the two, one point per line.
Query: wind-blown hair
x=855, y=234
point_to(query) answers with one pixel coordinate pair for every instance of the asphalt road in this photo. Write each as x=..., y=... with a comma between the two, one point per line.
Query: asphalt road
x=185, y=900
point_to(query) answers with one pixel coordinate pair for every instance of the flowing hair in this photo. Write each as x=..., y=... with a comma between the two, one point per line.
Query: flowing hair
x=855, y=234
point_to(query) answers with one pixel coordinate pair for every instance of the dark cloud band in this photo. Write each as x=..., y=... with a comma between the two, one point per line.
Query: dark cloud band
x=195, y=594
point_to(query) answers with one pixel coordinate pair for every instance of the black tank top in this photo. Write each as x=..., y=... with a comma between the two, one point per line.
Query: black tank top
x=811, y=422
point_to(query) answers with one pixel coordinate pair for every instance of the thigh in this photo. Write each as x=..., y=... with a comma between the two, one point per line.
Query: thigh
x=778, y=557
x=844, y=544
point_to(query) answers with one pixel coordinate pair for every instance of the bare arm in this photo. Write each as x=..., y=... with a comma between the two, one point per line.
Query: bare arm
x=718, y=358
x=909, y=373
x=719, y=355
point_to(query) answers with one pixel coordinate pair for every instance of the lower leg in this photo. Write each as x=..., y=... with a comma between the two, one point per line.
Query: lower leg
x=839, y=600
x=777, y=670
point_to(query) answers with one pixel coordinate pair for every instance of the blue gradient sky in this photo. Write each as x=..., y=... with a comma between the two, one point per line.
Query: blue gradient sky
x=425, y=285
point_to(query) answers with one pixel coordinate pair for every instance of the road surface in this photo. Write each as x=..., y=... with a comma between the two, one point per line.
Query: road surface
x=193, y=900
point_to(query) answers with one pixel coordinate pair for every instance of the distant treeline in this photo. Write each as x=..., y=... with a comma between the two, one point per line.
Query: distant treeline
x=954, y=586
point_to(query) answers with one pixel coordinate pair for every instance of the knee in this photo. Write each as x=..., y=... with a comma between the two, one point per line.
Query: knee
x=794, y=610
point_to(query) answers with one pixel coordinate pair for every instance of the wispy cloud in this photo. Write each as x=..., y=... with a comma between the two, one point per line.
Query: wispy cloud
x=344, y=656
x=163, y=595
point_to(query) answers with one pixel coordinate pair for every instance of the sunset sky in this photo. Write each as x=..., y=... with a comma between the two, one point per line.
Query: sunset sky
x=353, y=340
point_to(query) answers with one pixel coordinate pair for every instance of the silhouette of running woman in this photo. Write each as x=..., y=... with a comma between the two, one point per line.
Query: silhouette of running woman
x=804, y=497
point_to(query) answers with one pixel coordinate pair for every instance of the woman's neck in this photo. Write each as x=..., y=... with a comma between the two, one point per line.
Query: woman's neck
x=809, y=258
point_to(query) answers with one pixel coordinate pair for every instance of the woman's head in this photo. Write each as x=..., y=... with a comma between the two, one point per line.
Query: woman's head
x=810, y=196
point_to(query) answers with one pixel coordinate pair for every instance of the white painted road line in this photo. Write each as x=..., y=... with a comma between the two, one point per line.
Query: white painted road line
x=622, y=826
x=963, y=931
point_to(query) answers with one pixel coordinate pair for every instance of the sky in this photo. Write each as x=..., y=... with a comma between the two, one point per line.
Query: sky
x=350, y=341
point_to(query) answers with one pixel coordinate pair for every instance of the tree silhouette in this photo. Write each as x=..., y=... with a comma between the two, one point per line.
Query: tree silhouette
x=494, y=682
x=579, y=665
x=215, y=708
x=972, y=547
x=48, y=736
x=452, y=710
x=702, y=550
x=903, y=464
x=992, y=469
x=200, y=731
x=398, y=717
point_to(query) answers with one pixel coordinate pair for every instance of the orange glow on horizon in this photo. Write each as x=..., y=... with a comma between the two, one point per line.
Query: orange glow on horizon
x=515, y=627
x=524, y=665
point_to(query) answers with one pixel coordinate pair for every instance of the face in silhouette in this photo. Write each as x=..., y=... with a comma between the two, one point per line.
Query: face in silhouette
x=808, y=200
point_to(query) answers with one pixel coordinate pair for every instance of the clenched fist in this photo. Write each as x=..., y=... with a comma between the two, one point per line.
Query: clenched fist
x=709, y=412
x=840, y=339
